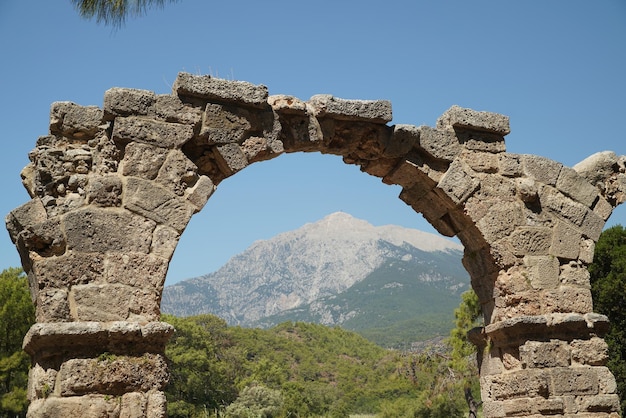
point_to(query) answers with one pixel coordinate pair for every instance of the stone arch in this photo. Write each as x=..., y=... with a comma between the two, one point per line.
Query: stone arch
x=114, y=188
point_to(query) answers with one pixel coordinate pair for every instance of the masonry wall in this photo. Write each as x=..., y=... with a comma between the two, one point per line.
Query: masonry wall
x=114, y=188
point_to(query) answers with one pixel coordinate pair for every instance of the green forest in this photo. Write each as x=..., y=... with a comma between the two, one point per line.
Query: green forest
x=299, y=369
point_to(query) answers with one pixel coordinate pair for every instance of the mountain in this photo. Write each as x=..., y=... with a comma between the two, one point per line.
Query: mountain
x=337, y=271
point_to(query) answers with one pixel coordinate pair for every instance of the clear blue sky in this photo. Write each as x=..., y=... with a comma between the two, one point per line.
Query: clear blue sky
x=557, y=68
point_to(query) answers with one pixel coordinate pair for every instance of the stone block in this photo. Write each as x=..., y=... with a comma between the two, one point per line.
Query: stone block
x=576, y=187
x=543, y=271
x=459, y=182
x=68, y=269
x=561, y=205
x=27, y=215
x=41, y=382
x=587, y=248
x=112, y=375
x=200, y=192
x=572, y=381
x=408, y=174
x=439, y=144
x=75, y=121
x=142, y=160
x=104, y=191
x=177, y=172
x=603, y=208
x=510, y=165
x=146, y=271
x=597, y=168
x=133, y=405
x=600, y=403
x=151, y=132
x=501, y=220
x=52, y=305
x=541, y=169
x=285, y=104
x=374, y=111
x=592, y=352
x=157, y=405
x=592, y=225
x=531, y=240
x=113, y=302
x=536, y=354
x=518, y=407
x=608, y=384
x=520, y=384
x=125, y=102
x=565, y=242
x=230, y=158
x=89, y=406
x=222, y=124
x=458, y=117
x=568, y=299
x=402, y=140
x=216, y=90
x=102, y=230
x=483, y=162
x=164, y=241
x=158, y=204
x=45, y=238
x=575, y=274
x=172, y=109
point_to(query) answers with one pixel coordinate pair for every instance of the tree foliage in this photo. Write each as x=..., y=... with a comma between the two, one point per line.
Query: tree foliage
x=17, y=314
x=115, y=12
x=608, y=288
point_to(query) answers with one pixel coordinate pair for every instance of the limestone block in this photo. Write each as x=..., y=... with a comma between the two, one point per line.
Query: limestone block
x=52, y=305
x=222, y=124
x=527, y=189
x=90, y=406
x=608, y=384
x=592, y=225
x=172, y=109
x=375, y=111
x=230, y=158
x=45, y=238
x=285, y=104
x=401, y=141
x=164, y=241
x=531, y=240
x=133, y=405
x=458, y=117
x=482, y=162
x=381, y=167
x=409, y=174
x=135, y=269
x=568, y=299
x=157, y=405
x=565, y=241
x=481, y=141
x=125, y=102
x=41, y=382
x=597, y=168
x=68, y=269
x=142, y=160
x=603, y=208
x=587, y=248
x=459, y=182
x=520, y=383
x=113, y=302
x=518, y=407
x=177, y=172
x=112, y=375
x=200, y=193
x=543, y=271
x=576, y=187
x=600, y=403
x=72, y=120
x=592, y=352
x=535, y=354
x=105, y=191
x=101, y=230
x=572, y=381
x=151, y=132
x=217, y=90
x=541, y=169
x=575, y=274
x=27, y=215
x=158, y=204
x=510, y=165
x=501, y=220
x=556, y=202
x=439, y=144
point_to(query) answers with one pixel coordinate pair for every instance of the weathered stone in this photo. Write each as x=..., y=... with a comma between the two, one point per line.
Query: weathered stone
x=501, y=220
x=217, y=90
x=113, y=302
x=146, y=271
x=52, y=305
x=102, y=230
x=282, y=103
x=592, y=352
x=90, y=406
x=142, y=160
x=125, y=102
x=72, y=120
x=597, y=168
x=438, y=143
x=510, y=165
x=230, y=158
x=172, y=109
x=158, y=204
x=543, y=271
x=541, y=169
x=31, y=213
x=576, y=187
x=535, y=354
x=568, y=299
x=531, y=240
x=565, y=241
x=225, y=124
x=164, y=241
x=105, y=191
x=68, y=269
x=458, y=117
x=573, y=381
x=151, y=132
x=177, y=173
x=575, y=274
x=459, y=182
x=376, y=111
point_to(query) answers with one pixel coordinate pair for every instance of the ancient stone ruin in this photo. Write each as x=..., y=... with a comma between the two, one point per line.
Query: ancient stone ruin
x=114, y=188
